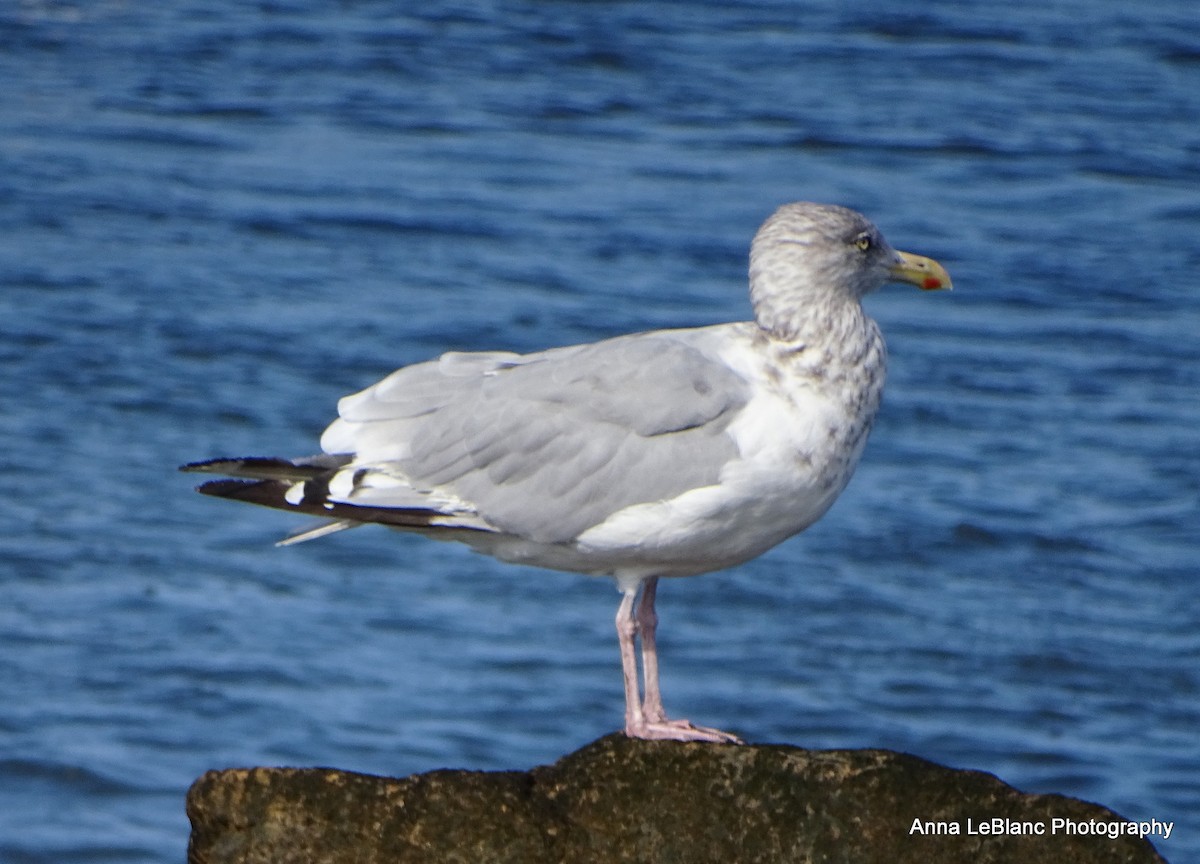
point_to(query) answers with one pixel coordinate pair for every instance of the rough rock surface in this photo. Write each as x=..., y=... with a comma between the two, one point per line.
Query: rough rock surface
x=620, y=800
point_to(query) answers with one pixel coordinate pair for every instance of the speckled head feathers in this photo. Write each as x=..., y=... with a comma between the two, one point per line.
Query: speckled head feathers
x=808, y=258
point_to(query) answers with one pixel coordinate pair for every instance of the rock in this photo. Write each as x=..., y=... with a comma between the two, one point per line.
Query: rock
x=621, y=800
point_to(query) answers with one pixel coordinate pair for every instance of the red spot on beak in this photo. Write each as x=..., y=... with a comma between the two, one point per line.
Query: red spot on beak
x=930, y=283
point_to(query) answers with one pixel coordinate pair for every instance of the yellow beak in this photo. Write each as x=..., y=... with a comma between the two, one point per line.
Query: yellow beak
x=925, y=273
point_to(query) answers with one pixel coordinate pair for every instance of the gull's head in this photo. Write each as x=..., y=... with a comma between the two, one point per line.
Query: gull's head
x=813, y=255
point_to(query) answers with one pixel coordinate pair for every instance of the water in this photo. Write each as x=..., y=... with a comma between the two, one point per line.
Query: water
x=216, y=218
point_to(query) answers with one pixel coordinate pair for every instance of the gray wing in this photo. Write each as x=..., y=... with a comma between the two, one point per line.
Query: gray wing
x=546, y=445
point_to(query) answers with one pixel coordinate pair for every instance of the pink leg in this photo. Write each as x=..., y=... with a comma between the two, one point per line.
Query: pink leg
x=647, y=719
x=647, y=624
x=626, y=632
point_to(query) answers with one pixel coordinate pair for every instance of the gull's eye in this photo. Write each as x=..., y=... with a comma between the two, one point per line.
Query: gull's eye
x=864, y=241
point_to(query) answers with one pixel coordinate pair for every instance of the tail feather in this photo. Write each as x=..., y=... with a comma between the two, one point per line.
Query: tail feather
x=324, y=529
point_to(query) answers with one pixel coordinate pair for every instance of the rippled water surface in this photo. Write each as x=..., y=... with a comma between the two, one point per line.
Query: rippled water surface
x=216, y=218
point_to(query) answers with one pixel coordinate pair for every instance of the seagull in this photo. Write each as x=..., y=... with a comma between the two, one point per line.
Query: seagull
x=650, y=455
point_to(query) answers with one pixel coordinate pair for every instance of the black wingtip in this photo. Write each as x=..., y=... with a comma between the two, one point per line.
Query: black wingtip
x=267, y=467
x=273, y=493
x=197, y=466
x=268, y=493
x=267, y=481
x=222, y=488
x=233, y=464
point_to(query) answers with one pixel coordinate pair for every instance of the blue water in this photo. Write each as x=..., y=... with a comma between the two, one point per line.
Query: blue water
x=216, y=218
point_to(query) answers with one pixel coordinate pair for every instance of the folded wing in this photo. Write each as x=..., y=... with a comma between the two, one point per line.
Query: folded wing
x=541, y=446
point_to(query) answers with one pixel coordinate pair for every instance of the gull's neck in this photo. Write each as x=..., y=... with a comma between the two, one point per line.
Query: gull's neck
x=816, y=322
x=833, y=347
